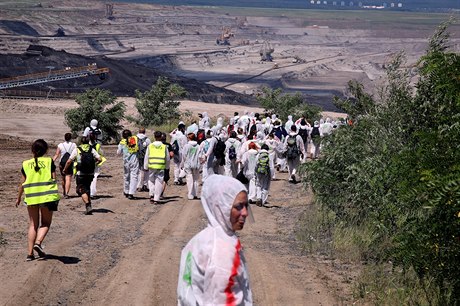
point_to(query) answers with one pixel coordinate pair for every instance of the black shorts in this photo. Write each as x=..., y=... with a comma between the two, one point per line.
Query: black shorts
x=84, y=184
x=69, y=170
x=166, y=177
x=52, y=206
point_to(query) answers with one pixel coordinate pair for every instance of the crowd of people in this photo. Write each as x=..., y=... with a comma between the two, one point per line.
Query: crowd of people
x=235, y=163
x=249, y=148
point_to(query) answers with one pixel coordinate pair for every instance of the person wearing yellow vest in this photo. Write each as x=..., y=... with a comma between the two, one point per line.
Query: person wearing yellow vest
x=156, y=161
x=96, y=146
x=129, y=147
x=86, y=160
x=41, y=196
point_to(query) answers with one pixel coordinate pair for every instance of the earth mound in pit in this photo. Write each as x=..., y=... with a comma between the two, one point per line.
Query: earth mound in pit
x=124, y=77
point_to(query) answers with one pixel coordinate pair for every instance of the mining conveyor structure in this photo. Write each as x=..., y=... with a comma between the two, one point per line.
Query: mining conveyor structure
x=53, y=75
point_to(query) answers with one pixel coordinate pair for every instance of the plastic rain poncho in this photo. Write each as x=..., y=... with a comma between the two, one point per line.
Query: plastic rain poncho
x=212, y=267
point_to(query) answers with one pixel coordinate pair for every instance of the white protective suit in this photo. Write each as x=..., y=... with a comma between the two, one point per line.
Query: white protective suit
x=231, y=165
x=204, y=122
x=249, y=162
x=288, y=123
x=191, y=165
x=212, y=266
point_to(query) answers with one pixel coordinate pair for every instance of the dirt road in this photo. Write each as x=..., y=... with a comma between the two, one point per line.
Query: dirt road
x=128, y=252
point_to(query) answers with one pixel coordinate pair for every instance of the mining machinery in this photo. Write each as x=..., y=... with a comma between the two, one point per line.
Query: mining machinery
x=53, y=75
x=224, y=39
x=266, y=52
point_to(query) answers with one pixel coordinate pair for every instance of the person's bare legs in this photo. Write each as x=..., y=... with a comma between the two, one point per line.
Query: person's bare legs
x=68, y=181
x=33, y=211
x=46, y=218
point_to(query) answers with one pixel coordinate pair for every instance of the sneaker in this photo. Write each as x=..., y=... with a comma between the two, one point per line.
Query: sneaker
x=259, y=202
x=89, y=209
x=30, y=257
x=152, y=201
x=38, y=248
x=130, y=197
x=125, y=194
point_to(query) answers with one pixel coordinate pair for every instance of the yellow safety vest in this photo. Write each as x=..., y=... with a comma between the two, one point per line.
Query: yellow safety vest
x=157, y=157
x=39, y=186
x=132, y=144
x=98, y=150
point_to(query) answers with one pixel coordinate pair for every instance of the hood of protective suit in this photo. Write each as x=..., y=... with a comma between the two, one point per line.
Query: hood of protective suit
x=217, y=198
x=260, y=135
x=93, y=123
x=204, y=114
x=289, y=118
x=328, y=120
x=232, y=121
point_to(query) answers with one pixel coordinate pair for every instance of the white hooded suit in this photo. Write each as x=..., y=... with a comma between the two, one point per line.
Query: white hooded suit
x=212, y=267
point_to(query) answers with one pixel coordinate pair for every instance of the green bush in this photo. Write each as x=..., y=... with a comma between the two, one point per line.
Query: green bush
x=100, y=105
x=159, y=104
x=274, y=101
x=392, y=179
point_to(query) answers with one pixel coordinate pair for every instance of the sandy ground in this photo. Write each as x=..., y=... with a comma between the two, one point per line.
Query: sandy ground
x=128, y=252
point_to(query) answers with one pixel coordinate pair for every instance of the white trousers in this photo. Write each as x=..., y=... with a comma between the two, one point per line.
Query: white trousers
x=262, y=187
x=143, y=178
x=156, y=178
x=93, y=189
x=231, y=167
x=252, y=195
x=131, y=172
x=193, y=175
x=292, y=165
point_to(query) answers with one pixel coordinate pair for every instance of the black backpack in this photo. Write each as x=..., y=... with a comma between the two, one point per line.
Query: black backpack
x=87, y=162
x=232, y=152
x=64, y=160
x=175, y=148
x=315, y=132
x=141, y=152
x=304, y=134
x=219, y=149
x=64, y=157
x=292, y=149
x=95, y=131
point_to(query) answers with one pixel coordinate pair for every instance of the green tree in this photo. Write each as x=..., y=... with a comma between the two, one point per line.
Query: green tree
x=97, y=104
x=159, y=104
x=393, y=177
x=276, y=102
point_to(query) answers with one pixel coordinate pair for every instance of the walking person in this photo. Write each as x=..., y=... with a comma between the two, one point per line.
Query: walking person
x=263, y=175
x=232, y=147
x=63, y=151
x=86, y=159
x=167, y=175
x=178, y=141
x=248, y=163
x=315, y=135
x=156, y=159
x=93, y=129
x=97, y=171
x=41, y=192
x=144, y=142
x=129, y=147
x=213, y=269
x=191, y=165
x=295, y=149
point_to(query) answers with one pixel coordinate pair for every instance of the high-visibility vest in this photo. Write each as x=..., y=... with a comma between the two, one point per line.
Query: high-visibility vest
x=132, y=144
x=39, y=186
x=157, y=156
x=97, y=147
